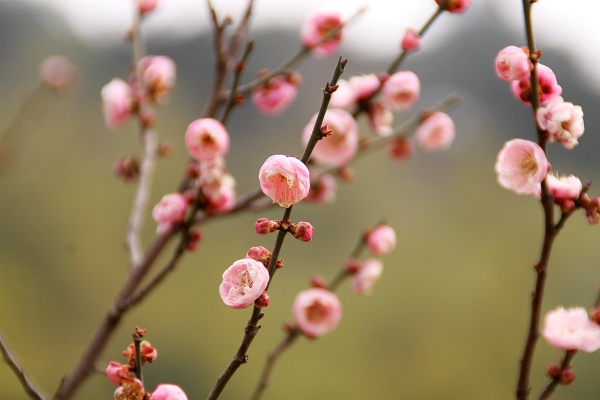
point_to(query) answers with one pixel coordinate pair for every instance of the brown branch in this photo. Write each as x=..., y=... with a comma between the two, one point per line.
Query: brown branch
x=19, y=371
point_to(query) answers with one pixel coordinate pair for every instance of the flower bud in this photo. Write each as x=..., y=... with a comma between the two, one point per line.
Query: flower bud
x=260, y=254
x=264, y=226
x=411, y=40
x=262, y=301
x=302, y=231
x=567, y=377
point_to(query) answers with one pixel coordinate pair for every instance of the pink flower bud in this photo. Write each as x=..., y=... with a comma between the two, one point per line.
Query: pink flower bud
x=401, y=148
x=243, y=282
x=264, y=226
x=118, y=102
x=58, y=73
x=436, y=132
x=317, y=312
x=401, y=90
x=340, y=146
x=168, y=392
x=275, y=96
x=411, y=41
x=322, y=190
x=116, y=372
x=260, y=254
x=145, y=6
x=521, y=165
x=553, y=371
x=158, y=74
x=262, y=301
x=206, y=139
x=302, y=231
x=562, y=121
x=456, y=6
x=284, y=179
x=512, y=63
x=567, y=377
x=368, y=274
x=147, y=352
x=317, y=25
x=170, y=211
x=381, y=240
x=561, y=187
x=548, y=86
x=127, y=168
x=571, y=329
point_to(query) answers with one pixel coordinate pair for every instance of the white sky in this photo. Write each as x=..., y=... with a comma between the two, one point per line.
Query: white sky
x=571, y=24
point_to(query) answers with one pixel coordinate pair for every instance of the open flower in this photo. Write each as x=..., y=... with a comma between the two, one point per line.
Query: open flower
x=243, y=282
x=284, y=179
x=521, y=165
x=571, y=329
x=158, y=74
x=367, y=276
x=548, y=86
x=401, y=90
x=317, y=312
x=512, y=63
x=317, y=25
x=562, y=120
x=168, y=392
x=436, y=132
x=381, y=240
x=340, y=146
x=206, y=139
x=275, y=96
x=170, y=211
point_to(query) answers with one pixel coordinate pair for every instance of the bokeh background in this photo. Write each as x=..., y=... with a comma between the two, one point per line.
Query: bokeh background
x=448, y=318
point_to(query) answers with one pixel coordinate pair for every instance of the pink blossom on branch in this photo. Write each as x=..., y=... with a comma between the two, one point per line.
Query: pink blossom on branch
x=367, y=275
x=116, y=372
x=571, y=329
x=512, y=63
x=243, y=282
x=562, y=120
x=317, y=25
x=562, y=187
x=455, y=6
x=411, y=40
x=340, y=146
x=548, y=86
x=206, y=139
x=381, y=118
x=118, y=102
x=58, y=73
x=436, y=132
x=352, y=91
x=381, y=240
x=145, y=6
x=168, y=392
x=284, y=179
x=170, y=211
x=401, y=90
x=158, y=75
x=322, y=190
x=317, y=312
x=275, y=96
x=521, y=166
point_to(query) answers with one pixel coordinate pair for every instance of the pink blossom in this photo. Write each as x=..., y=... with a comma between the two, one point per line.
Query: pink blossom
x=130, y=389
x=352, y=91
x=512, y=63
x=218, y=186
x=116, y=372
x=158, y=75
x=317, y=25
x=322, y=190
x=571, y=329
x=302, y=231
x=381, y=240
x=367, y=276
x=411, y=40
x=401, y=148
x=259, y=254
x=562, y=120
x=401, y=90
x=168, y=392
x=275, y=96
x=284, y=179
x=521, y=165
x=206, y=139
x=436, y=132
x=548, y=86
x=145, y=6
x=317, y=311
x=562, y=187
x=117, y=101
x=170, y=211
x=340, y=146
x=380, y=118
x=58, y=73
x=263, y=226
x=243, y=282
x=456, y=6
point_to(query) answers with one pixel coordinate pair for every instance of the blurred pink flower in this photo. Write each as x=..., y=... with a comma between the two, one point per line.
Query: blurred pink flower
x=206, y=139
x=521, y=165
x=322, y=190
x=381, y=118
x=562, y=187
x=116, y=372
x=58, y=73
x=169, y=211
x=401, y=148
x=571, y=329
x=243, y=282
x=548, y=86
x=317, y=312
x=352, y=91
x=512, y=63
x=158, y=74
x=367, y=276
x=381, y=240
x=456, y=6
x=401, y=90
x=284, y=179
x=275, y=96
x=317, y=24
x=338, y=148
x=117, y=101
x=562, y=120
x=145, y=6
x=436, y=132
x=411, y=40
x=168, y=392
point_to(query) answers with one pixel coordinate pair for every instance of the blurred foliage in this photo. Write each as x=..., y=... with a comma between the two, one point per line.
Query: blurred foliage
x=448, y=319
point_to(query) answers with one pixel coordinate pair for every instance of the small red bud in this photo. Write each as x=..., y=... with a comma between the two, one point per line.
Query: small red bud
x=553, y=371
x=318, y=281
x=352, y=266
x=567, y=377
x=262, y=301
x=302, y=231
x=265, y=225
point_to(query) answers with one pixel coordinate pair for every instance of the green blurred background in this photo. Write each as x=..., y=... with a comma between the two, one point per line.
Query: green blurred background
x=448, y=318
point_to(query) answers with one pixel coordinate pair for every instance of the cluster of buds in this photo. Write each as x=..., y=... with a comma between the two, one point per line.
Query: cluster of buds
x=563, y=376
x=302, y=230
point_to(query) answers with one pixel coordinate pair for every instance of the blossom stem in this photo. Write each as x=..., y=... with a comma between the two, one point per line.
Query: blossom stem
x=231, y=102
x=551, y=385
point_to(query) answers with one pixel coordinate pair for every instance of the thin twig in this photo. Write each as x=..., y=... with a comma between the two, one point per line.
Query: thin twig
x=19, y=372
x=553, y=382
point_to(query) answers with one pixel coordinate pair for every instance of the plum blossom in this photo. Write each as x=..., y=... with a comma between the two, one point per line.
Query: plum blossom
x=367, y=275
x=145, y=6
x=158, y=75
x=130, y=389
x=380, y=118
x=401, y=90
x=118, y=102
x=170, y=211
x=340, y=146
x=317, y=311
x=456, y=6
x=58, y=73
x=284, y=179
x=381, y=240
x=512, y=63
x=411, y=40
x=521, y=165
x=436, y=132
x=562, y=120
x=115, y=372
x=206, y=139
x=548, y=86
x=218, y=186
x=275, y=96
x=571, y=329
x=302, y=231
x=562, y=187
x=243, y=282
x=322, y=190
x=317, y=24
x=355, y=89
x=401, y=148
x=168, y=392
